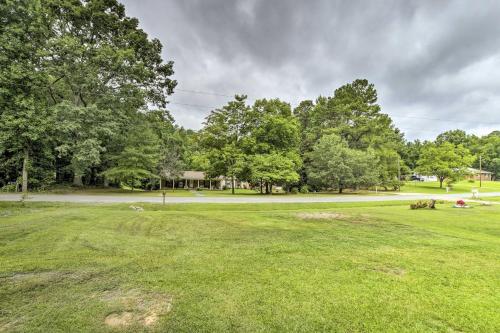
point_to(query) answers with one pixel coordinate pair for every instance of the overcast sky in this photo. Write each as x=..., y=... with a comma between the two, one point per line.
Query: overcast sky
x=435, y=64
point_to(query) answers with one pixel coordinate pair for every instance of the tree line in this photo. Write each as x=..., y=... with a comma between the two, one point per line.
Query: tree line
x=84, y=96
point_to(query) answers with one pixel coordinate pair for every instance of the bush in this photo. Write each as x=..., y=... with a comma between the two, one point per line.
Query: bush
x=472, y=181
x=8, y=188
x=304, y=189
x=294, y=190
x=199, y=189
x=419, y=204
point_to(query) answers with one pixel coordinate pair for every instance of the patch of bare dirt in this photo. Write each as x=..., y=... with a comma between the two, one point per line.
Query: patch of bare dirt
x=47, y=276
x=321, y=216
x=139, y=308
x=396, y=271
x=119, y=319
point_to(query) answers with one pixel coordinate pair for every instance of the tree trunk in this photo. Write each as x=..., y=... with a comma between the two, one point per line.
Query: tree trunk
x=25, y=173
x=261, y=191
x=267, y=188
x=271, y=188
x=441, y=179
x=232, y=184
x=106, y=182
x=77, y=180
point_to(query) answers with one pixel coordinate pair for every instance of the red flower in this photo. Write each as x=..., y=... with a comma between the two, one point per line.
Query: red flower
x=460, y=202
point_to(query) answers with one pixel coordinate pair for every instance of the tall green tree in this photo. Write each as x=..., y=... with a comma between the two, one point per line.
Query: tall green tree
x=222, y=137
x=273, y=137
x=98, y=58
x=25, y=116
x=446, y=161
x=456, y=137
x=137, y=162
x=354, y=114
x=335, y=165
x=274, y=168
x=488, y=148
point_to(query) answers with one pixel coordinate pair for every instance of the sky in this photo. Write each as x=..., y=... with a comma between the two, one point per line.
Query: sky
x=435, y=64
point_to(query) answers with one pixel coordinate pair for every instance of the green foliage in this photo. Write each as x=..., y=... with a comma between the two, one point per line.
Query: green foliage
x=275, y=168
x=444, y=160
x=73, y=75
x=137, y=162
x=421, y=204
x=335, y=165
x=258, y=143
x=353, y=114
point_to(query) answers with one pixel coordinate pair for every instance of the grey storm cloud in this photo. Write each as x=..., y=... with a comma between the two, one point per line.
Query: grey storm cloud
x=435, y=64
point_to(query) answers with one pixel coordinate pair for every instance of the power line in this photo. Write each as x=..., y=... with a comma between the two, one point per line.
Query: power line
x=445, y=120
x=195, y=105
x=208, y=108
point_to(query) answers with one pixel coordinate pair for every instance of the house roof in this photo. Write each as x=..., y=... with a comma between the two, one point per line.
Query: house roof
x=476, y=171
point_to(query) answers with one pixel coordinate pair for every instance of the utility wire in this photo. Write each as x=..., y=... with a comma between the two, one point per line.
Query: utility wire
x=201, y=92
x=208, y=108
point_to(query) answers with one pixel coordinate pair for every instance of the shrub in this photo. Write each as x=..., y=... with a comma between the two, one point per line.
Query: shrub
x=419, y=204
x=8, y=188
x=472, y=181
x=304, y=189
x=294, y=190
x=199, y=189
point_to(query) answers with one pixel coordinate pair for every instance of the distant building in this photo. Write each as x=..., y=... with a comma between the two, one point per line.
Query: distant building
x=474, y=174
x=198, y=179
x=424, y=178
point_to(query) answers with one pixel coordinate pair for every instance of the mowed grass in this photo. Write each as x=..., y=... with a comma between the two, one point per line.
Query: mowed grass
x=459, y=187
x=249, y=268
x=188, y=192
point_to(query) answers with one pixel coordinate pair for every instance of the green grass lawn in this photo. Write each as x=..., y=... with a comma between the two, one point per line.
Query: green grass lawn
x=185, y=192
x=459, y=187
x=249, y=268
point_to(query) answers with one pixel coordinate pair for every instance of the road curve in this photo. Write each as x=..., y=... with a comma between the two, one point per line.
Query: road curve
x=81, y=198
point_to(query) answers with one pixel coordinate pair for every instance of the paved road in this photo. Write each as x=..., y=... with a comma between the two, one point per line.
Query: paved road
x=239, y=199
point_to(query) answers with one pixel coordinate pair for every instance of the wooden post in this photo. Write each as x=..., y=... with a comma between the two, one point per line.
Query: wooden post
x=198, y=184
x=210, y=184
x=173, y=184
x=160, y=182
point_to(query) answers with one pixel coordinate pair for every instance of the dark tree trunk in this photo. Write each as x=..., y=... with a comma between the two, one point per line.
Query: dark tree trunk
x=77, y=180
x=441, y=179
x=25, y=172
x=232, y=184
x=261, y=190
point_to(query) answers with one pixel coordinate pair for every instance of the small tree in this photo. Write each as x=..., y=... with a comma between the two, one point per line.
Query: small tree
x=444, y=161
x=275, y=168
x=334, y=165
x=138, y=160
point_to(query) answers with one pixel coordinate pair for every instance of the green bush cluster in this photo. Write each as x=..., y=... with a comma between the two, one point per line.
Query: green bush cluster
x=423, y=204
